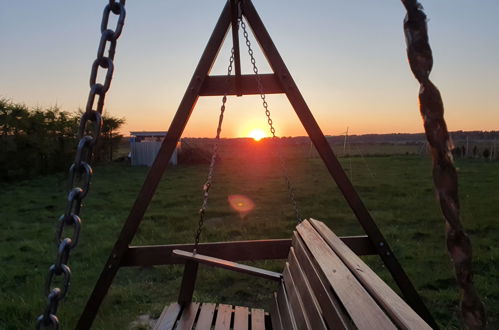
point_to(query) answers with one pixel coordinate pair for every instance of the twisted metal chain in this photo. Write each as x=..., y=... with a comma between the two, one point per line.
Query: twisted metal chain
x=207, y=185
x=289, y=185
x=80, y=172
x=444, y=172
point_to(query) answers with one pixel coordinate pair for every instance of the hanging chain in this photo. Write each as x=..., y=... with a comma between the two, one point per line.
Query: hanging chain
x=271, y=124
x=444, y=172
x=207, y=185
x=80, y=172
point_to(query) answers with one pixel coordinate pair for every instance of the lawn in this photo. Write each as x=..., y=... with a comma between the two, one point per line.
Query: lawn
x=397, y=189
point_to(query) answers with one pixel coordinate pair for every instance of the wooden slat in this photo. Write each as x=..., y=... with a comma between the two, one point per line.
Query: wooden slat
x=220, y=85
x=364, y=311
x=401, y=313
x=188, y=316
x=241, y=318
x=168, y=317
x=310, y=305
x=285, y=311
x=275, y=316
x=216, y=262
x=257, y=319
x=205, y=319
x=224, y=314
x=333, y=311
x=294, y=300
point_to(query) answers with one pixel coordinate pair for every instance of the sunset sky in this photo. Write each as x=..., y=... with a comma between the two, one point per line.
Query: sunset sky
x=347, y=57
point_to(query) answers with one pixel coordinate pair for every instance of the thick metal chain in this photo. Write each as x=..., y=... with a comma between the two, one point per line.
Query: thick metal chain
x=207, y=185
x=271, y=123
x=80, y=172
x=444, y=172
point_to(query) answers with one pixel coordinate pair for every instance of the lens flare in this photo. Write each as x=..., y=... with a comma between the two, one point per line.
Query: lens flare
x=241, y=204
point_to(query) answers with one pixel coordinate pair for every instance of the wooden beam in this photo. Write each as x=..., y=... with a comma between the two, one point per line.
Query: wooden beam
x=226, y=264
x=155, y=255
x=221, y=85
x=233, y=251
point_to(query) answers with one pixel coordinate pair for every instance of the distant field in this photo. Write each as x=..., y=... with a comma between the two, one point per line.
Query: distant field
x=396, y=188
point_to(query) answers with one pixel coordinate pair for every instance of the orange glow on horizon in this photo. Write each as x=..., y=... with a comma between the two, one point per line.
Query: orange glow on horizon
x=257, y=134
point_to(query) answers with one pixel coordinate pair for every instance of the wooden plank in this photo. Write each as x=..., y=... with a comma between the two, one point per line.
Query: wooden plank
x=157, y=170
x=275, y=316
x=332, y=164
x=363, y=310
x=295, y=300
x=285, y=311
x=188, y=282
x=216, y=262
x=205, y=319
x=168, y=317
x=188, y=316
x=154, y=255
x=241, y=318
x=257, y=319
x=311, y=307
x=224, y=315
x=396, y=307
x=332, y=310
x=220, y=85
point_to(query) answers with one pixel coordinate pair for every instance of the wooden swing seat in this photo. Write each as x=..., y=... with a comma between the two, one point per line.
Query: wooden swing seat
x=324, y=285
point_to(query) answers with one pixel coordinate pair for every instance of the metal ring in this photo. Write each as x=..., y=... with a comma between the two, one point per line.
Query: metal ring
x=96, y=89
x=107, y=36
x=83, y=151
x=74, y=201
x=92, y=116
x=115, y=7
x=76, y=169
x=67, y=275
x=105, y=63
x=64, y=220
x=42, y=321
x=63, y=255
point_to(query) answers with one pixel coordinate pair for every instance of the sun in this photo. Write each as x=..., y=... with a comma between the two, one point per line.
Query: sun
x=257, y=134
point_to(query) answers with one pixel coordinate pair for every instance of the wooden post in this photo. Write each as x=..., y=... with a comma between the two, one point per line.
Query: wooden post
x=188, y=282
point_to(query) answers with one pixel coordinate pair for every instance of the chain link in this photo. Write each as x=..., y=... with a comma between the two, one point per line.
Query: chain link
x=444, y=171
x=289, y=185
x=80, y=172
x=207, y=185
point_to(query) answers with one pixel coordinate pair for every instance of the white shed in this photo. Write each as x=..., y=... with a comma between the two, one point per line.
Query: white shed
x=144, y=147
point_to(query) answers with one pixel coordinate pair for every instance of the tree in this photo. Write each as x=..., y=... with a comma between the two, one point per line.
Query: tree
x=36, y=141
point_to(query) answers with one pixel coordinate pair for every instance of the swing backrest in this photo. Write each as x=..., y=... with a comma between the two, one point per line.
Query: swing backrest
x=326, y=285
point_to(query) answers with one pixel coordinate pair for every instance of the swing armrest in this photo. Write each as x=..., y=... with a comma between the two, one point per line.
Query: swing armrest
x=230, y=265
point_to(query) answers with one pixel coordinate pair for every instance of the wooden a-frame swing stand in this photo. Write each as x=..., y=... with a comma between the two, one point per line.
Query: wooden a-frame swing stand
x=202, y=84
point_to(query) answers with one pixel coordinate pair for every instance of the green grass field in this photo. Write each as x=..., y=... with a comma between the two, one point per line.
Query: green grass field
x=397, y=189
